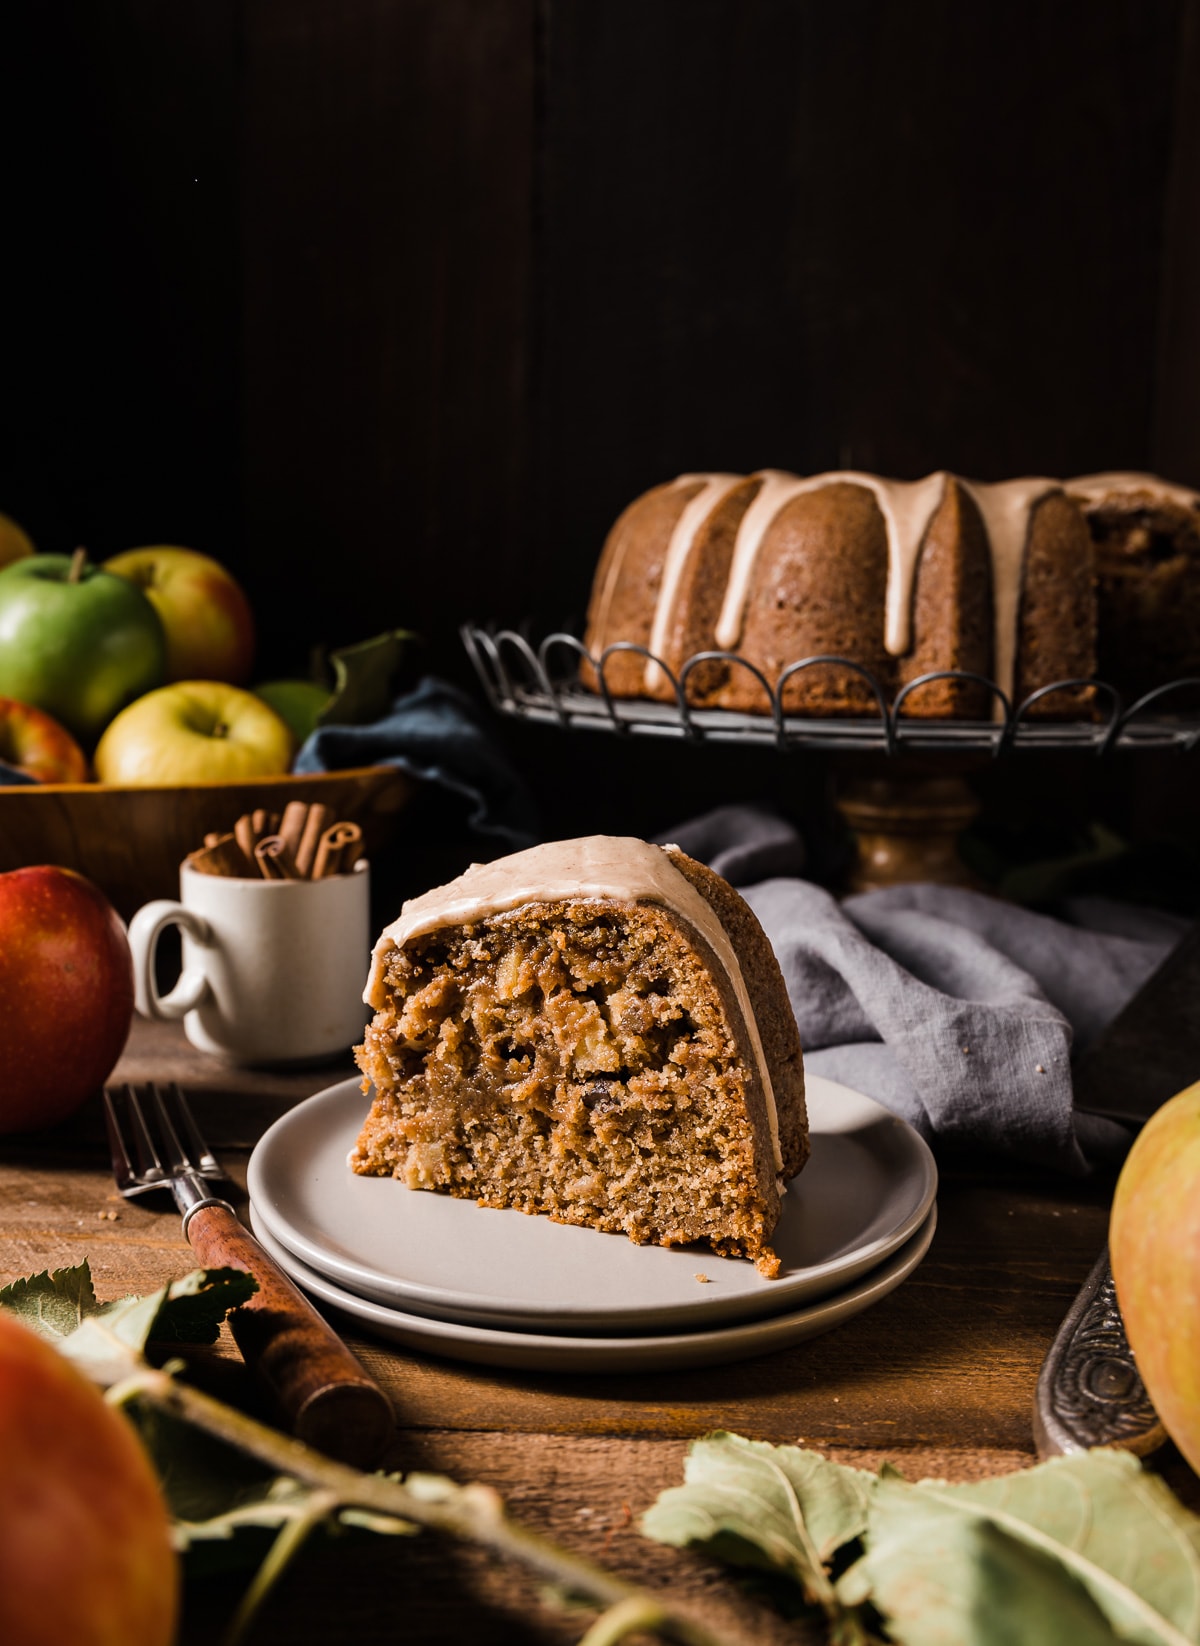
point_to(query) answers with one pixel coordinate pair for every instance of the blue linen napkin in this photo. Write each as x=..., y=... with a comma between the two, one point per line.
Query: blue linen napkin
x=12, y=775
x=433, y=734
x=953, y=1009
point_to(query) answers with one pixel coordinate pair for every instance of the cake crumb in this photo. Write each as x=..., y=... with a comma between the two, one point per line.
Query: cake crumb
x=703, y=1279
x=108, y=1217
x=1038, y=1069
x=966, y=1051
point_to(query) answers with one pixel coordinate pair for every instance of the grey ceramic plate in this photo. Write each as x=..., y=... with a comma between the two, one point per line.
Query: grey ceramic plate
x=867, y=1188
x=543, y=1352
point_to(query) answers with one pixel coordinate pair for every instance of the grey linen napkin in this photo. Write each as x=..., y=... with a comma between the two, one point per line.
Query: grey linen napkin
x=954, y=1009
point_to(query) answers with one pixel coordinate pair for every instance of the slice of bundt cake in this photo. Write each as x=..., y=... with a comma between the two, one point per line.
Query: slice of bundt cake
x=595, y=1029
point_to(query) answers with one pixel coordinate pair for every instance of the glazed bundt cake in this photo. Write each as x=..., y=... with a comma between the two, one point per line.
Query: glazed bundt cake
x=594, y=1029
x=1025, y=583
x=1146, y=534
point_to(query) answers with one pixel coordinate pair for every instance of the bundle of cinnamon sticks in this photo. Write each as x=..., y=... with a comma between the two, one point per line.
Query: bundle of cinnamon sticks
x=302, y=842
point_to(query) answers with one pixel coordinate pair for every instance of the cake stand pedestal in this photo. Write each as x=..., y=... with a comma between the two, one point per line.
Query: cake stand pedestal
x=906, y=825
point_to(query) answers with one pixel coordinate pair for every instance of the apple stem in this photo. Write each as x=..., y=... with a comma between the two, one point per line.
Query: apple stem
x=474, y=1513
x=78, y=562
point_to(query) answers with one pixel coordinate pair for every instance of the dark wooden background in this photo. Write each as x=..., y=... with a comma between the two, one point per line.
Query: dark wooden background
x=393, y=304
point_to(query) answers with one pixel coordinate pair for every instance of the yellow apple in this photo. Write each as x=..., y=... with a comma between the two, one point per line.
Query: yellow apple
x=1154, y=1247
x=195, y=731
x=204, y=611
x=14, y=545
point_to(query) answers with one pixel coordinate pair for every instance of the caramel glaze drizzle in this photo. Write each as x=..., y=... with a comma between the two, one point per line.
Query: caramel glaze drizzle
x=603, y=868
x=907, y=508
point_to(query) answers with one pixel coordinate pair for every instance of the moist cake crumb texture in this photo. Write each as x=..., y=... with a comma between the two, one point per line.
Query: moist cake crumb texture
x=584, y=1060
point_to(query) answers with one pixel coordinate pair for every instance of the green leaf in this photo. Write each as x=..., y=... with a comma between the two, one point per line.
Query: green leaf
x=108, y=1341
x=220, y=1496
x=52, y=1304
x=196, y=1305
x=1086, y=1549
x=752, y=1503
x=189, y=1310
x=107, y=1346
x=362, y=679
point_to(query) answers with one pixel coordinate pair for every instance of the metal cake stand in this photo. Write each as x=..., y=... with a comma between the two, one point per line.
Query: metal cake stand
x=906, y=810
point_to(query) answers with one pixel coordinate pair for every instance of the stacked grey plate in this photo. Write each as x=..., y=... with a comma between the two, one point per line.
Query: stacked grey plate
x=452, y=1278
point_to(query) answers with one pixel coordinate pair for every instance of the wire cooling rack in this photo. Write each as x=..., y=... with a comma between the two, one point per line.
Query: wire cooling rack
x=539, y=681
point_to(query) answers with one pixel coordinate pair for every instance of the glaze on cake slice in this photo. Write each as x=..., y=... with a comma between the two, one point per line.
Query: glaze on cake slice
x=597, y=1030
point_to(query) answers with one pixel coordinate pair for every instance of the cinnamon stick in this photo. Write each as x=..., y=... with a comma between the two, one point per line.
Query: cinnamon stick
x=315, y=825
x=351, y=851
x=273, y=859
x=291, y=826
x=247, y=838
x=332, y=845
x=221, y=855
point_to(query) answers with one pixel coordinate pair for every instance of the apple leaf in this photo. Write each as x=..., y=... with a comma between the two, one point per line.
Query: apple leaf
x=753, y=1504
x=219, y=1495
x=1083, y=1548
x=362, y=679
x=52, y=1304
x=196, y=1304
x=1093, y=1548
x=108, y=1340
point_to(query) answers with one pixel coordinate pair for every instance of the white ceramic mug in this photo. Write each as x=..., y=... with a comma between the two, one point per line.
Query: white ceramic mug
x=273, y=970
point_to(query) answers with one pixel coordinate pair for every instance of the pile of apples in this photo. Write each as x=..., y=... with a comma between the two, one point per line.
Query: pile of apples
x=131, y=672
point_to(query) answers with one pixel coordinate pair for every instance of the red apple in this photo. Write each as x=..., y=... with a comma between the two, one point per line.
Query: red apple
x=66, y=996
x=34, y=742
x=198, y=731
x=1154, y=1247
x=206, y=616
x=85, y=1537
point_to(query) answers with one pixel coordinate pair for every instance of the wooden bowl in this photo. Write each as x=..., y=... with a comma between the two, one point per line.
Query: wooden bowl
x=131, y=841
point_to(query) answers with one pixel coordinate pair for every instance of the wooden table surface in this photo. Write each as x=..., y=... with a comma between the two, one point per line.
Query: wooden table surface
x=939, y=1377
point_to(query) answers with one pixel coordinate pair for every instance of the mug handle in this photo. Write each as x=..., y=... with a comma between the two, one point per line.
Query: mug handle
x=144, y=930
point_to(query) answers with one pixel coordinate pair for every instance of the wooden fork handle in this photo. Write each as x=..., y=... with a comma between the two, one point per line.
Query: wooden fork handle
x=322, y=1393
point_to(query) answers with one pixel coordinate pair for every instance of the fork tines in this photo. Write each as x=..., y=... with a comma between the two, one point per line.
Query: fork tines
x=153, y=1136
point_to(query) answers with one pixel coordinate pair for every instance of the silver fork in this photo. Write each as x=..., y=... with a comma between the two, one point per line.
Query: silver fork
x=319, y=1389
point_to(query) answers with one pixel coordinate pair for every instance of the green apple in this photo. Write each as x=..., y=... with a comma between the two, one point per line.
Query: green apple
x=206, y=616
x=76, y=641
x=195, y=731
x=14, y=545
x=298, y=701
x=1154, y=1247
